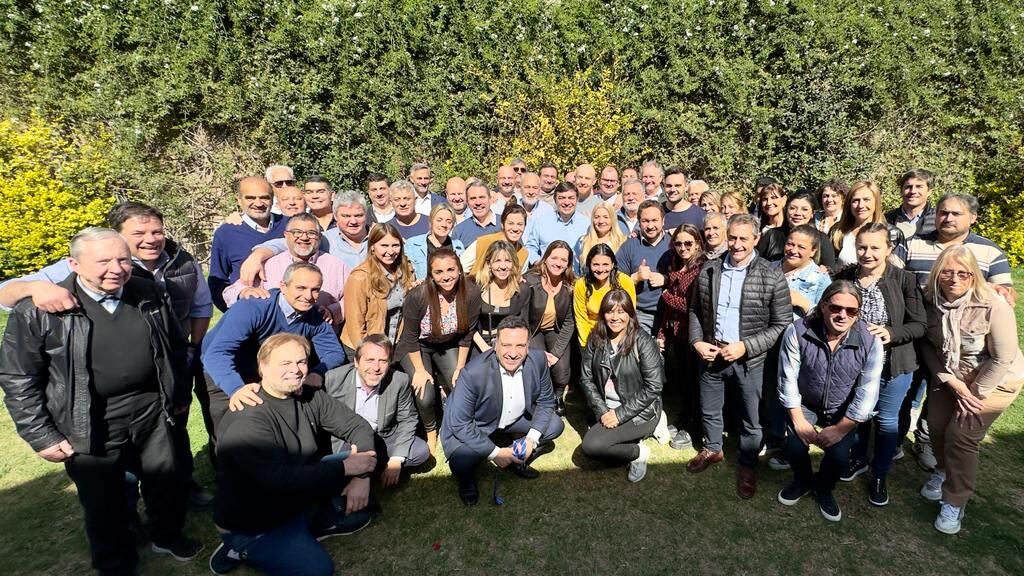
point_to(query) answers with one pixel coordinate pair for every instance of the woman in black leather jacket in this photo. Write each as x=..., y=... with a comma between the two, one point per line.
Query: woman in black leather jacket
x=622, y=377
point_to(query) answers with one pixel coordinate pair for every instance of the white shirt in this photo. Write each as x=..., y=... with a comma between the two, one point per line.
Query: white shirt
x=423, y=204
x=513, y=404
x=383, y=217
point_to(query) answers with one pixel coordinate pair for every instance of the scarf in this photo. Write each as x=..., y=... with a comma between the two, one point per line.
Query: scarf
x=676, y=297
x=952, y=314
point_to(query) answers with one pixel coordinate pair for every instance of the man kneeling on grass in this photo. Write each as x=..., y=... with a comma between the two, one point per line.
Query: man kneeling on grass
x=829, y=371
x=276, y=495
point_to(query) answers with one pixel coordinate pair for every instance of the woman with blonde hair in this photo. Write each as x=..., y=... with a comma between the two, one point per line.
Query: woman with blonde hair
x=711, y=201
x=603, y=230
x=501, y=281
x=441, y=222
x=863, y=206
x=732, y=203
x=376, y=289
x=970, y=347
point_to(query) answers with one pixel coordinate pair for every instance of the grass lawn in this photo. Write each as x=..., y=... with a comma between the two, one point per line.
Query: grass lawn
x=578, y=518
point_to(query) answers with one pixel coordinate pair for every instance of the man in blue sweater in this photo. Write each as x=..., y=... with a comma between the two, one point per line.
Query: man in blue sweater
x=229, y=350
x=646, y=259
x=232, y=243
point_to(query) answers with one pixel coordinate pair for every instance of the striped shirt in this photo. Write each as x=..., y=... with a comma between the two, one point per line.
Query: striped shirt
x=920, y=253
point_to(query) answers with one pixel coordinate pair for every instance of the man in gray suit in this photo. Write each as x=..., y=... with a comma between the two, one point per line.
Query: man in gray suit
x=384, y=399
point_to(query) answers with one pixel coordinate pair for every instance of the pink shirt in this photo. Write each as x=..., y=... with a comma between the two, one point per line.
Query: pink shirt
x=331, y=293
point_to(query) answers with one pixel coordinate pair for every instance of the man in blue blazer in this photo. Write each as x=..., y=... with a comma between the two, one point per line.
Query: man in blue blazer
x=503, y=394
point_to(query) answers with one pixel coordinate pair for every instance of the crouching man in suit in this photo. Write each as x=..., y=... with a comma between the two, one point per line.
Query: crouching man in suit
x=502, y=394
x=383, y=398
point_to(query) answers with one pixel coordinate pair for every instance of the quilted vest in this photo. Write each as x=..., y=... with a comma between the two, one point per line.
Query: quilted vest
x=828, y=379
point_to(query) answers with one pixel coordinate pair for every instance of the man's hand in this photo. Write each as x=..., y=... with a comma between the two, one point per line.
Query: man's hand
x=247, y=395
x=420, y=380
x=53, y=298
x=392, y=473
x=506, y=457
x=643, y=272
x=253, y=292
x=830, y=436
x=552, y=359
x=805, y=430
x=733, y=352
x=1007, y=292
x=800, y=301
x=313, y=380
x=881, y=331
x=359, y=463
x=251, y=270
x=59, y=452
x=326, y=313
x=357, y=495
x=530, y=447
x=233, y=218
x=707, y=352
x=609, y=419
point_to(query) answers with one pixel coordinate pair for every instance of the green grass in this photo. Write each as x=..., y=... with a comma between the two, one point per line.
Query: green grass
x=580, y=519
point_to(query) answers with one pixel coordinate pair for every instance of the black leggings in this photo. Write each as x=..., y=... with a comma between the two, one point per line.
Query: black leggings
x=619, y=444
x=439, y=363
x=562, y=370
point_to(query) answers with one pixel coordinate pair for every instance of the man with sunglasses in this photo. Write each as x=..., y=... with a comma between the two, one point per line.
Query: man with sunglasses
x=280, y=177
x=830, y=366
x=302, y=237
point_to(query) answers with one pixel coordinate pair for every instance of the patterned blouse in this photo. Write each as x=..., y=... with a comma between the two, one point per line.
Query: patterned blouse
x=449, y=322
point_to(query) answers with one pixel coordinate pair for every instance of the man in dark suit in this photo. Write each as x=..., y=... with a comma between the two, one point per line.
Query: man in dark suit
x=383, y=398
x=502, y=394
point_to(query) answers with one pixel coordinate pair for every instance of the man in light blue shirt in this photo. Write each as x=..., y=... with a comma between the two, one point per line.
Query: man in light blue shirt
x=483, y=220
x=566, y=224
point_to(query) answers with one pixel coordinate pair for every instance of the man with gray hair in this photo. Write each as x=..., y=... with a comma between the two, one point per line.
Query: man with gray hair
x=102, y=388
x=651, y=174
x=422, y=177
x=280, y=177
x=739, y=309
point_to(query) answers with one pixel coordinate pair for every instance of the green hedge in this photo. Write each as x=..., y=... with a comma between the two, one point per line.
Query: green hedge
x=803, y=90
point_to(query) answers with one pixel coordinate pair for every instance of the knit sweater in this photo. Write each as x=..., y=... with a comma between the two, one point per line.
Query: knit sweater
x=232, y=244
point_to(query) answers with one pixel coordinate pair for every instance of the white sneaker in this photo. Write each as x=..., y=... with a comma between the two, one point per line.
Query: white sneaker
x=949, y=518
x=778, y=462
x=925, y=456
x=932, y=489
x=661, y=432
x=638, y=467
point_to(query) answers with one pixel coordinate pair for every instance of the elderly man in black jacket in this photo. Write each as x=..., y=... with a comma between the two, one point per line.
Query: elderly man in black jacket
x=98, y=388
x=739, y=309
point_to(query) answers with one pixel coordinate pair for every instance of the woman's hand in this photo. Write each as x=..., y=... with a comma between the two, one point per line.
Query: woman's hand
x=420, y=379
x=552, y=359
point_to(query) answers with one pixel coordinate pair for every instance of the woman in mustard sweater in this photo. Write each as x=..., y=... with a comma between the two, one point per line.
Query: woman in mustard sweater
x=603, y=276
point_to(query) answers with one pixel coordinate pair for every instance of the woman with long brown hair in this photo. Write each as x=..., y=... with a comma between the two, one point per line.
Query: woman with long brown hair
x=376, y=289
x=501, y=287
x=440, y=317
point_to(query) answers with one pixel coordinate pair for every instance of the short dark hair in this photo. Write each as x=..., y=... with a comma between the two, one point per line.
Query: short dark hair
x=377, y=177
x=513, y=208
x=673, y=170
x=377, y=340
x=304, y=217
x=318, y=179
x=547, y=165
x=512, y=323
x=565, y=187
x=971, y=202
x=650, y=204
x=920, y=173
x=123, y=211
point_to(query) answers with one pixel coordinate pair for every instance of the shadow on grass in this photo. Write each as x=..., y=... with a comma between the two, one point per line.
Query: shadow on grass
x=583, y=517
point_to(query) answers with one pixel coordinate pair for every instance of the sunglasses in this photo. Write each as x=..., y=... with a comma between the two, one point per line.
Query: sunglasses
x=848, y=310
x=961, y=275
x=519, y=169
x=282, y=183
x=684, y=243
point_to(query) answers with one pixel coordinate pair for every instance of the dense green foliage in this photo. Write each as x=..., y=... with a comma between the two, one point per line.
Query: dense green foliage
x=801, y=89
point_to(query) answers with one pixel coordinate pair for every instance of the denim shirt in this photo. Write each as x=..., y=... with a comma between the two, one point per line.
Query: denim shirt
x=809, y=282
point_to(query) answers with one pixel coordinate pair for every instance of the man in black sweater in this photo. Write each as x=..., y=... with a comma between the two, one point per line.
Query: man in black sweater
x=277, y=495
x=99, y=388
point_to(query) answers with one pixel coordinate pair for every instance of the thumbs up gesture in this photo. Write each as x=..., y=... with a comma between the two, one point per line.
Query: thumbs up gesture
x=644, y=272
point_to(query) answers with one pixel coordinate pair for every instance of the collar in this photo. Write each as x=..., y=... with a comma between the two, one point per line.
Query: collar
x=99, y=296
x=491, y=221
x=160, y=262
x=728, y=265
x=643, y=241
x=290, y=314
x=254, y=225
x=562, y=218
x=503, y=372
x=366, y=389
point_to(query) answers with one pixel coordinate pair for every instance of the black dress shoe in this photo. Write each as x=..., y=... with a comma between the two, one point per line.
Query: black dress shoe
x=469, y=493
x=524, y=471
x=560, y=407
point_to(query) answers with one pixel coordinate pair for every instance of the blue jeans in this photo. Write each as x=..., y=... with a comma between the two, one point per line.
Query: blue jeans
x=891, y=395
x=289, y=550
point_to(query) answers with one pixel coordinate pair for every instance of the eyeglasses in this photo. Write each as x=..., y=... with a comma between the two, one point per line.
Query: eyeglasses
x=282, y=183
x=848, y=310
x=961, y=275
x=303, y=233
x=519, y=169
x=684, y=244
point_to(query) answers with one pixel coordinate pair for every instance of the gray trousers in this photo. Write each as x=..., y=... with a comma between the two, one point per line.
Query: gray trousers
x=742, y=386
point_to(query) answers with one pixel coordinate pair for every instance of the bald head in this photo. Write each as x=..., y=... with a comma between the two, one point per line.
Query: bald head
x=530, y=187
x=506, y=180
x=455, y=192
x=585, y=178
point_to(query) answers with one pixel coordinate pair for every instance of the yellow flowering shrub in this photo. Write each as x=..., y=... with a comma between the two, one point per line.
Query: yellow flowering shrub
x=1000, y=221
x=52, y=184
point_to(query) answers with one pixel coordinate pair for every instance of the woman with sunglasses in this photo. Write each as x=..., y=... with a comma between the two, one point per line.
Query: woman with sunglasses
x=892, y=306
x=418, y=248
x=501, y=289
x=799, y=210
x=376, y=289
x=439, y=319
x=547, y=308
x=829, y=368
x=621, y=376
x=972, y=351
x=603, y=275
x=672, y=334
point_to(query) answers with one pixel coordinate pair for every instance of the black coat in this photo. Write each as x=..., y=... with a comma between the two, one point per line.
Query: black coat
x=638, y=379
x=772, y=246
x=45, y=374
x=904, y=303
x=535, y=299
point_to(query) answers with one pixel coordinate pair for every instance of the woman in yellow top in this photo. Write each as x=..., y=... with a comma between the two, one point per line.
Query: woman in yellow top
x=603, y=276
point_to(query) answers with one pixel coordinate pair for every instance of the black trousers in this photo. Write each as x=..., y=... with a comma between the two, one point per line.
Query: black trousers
x=203, y=397
x=562, y=370
x=138, y=439
x=218, y=408
x=439, y=363
x=681, y=394
x=619, y=444
x=742, y=386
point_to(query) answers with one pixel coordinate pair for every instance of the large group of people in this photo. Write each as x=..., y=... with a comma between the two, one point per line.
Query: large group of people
x=362, y=328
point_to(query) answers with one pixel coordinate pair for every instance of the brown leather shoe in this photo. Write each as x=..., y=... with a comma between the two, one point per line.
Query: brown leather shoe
x=704, y=460
x=746, y=482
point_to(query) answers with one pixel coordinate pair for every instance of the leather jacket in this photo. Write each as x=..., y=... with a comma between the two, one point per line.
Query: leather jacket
x=44, y=366
x=638, y=379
